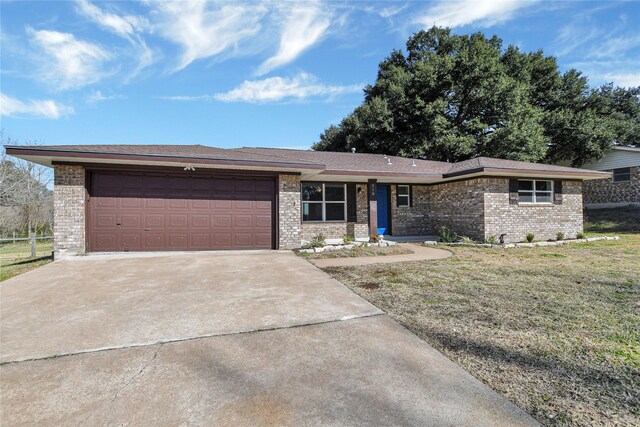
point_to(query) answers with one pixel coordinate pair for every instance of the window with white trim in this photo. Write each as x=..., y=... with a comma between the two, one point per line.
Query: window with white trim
x=535, y=191
x=324, y=202
x=621, y=175
x=404, y=196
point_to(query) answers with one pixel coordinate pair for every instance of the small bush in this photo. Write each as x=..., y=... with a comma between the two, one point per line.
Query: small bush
x=530, y=237
x=465, y=239
x=492, y=240
x=347, y=239
x=447, y=235
x=376, y=238
x=559, y=235
x=580, y=236
x=317, y=241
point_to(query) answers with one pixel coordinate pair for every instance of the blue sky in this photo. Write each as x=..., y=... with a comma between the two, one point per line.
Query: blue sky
x=276, y=74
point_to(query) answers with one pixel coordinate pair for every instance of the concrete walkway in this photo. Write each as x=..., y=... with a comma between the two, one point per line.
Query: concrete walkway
x=420, y=253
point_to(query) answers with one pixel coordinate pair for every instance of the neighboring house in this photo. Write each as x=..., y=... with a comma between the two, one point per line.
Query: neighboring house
x=622, y=188
x=192, y=197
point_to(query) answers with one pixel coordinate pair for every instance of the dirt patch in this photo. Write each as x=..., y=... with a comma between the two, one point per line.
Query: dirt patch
x=370, y=286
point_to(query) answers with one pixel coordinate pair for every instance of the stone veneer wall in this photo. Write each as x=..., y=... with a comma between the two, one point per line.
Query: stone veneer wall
x=69, y=210
x=606, y=191
x=335, y=230
x=411, y=220
x=289, y=230
x=544, y=221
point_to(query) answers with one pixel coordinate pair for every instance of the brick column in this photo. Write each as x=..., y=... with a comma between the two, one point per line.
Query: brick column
x=69, y=210
x=373, y=208
x=289, y=211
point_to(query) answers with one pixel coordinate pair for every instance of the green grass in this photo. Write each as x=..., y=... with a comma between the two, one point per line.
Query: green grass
x=16, y=259
x=555, y=330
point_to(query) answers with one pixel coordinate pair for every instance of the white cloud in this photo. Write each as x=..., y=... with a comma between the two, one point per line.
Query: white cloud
x=97, y=96
x=304, y=25
x=128, y=27
x=67, y=62
x=485, y=13
x=121, y=25
x=48, y=109
x=275, y=89
x=205, y=29
x=630, y=79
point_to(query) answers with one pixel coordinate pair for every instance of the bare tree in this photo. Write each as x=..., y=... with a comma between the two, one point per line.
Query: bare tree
x=26, y=201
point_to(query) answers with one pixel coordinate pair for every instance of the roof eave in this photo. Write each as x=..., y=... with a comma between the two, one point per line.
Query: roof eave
x=46, y=157
x=581, y=174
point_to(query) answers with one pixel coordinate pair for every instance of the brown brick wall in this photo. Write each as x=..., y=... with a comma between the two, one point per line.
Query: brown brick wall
x=413, y=220
x=289, y=230
x=607, y=191
x=544, y=221
x=69, y=210
x=458, y=205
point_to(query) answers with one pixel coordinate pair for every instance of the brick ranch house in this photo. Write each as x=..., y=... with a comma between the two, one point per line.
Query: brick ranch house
x=192, y=197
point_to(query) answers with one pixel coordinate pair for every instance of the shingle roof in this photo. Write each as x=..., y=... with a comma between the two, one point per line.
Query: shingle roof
x=361, y=162
x=334, y=163
x=492, y=163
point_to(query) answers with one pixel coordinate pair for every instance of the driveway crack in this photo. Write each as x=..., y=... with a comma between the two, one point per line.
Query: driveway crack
x=127, y=384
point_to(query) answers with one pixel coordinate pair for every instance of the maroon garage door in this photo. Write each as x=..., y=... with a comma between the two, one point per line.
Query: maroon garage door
x=156, y=212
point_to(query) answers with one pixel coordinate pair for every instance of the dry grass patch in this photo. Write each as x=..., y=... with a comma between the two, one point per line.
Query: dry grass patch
x=555, y=330
x=359, y=251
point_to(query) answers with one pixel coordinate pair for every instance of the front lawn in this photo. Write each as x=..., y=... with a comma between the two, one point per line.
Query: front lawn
x=554, y=329
x=16, y=259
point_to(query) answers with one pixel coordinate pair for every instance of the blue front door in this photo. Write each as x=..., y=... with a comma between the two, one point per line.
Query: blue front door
x=383, y=208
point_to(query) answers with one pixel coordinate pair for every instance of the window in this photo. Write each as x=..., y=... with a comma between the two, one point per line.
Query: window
x=324, y=202
x=404, y=196
x=534, y=191
x=622, y=175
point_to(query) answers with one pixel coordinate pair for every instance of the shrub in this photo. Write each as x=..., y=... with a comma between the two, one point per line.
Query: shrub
x=447, y=235
x=465, y=239
x=347, y=239
x=492, y=240
x=376, y=238
x=530, y=237
x=317, y=241
x=559, y=235
x=580, y=236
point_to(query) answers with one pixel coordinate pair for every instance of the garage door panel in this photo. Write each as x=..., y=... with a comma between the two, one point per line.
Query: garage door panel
x=130, y=203
x=178, y=221
x=131, y=241
x=154, y=220
x=199, y=221
x=156, y=211
x=262, y=221
x=222, y=239
x=133, y=221
x=178, y=241
x=243, y=240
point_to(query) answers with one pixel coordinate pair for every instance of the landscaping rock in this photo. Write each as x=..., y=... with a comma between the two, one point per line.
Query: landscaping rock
x=391, y=243
x=430, y=242
x=318, y=249
x=349, y=247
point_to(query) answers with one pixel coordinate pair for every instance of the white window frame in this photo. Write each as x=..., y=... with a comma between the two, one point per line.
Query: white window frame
x=613, y=175
x=533, y=192
x=324, y=203
x=400, y=196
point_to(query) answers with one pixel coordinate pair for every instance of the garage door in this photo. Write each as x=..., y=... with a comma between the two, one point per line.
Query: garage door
x=157, y=212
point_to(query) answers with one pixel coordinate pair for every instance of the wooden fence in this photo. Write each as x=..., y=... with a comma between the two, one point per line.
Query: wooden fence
x=32, y=239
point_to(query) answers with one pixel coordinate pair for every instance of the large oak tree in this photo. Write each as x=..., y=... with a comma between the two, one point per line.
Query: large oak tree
x=454, y=97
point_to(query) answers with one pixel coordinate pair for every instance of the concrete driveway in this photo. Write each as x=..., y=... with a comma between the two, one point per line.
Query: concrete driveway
x=226, y=338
